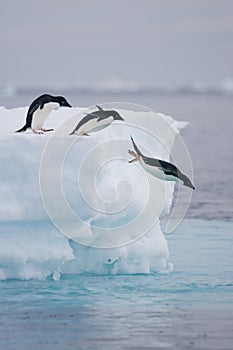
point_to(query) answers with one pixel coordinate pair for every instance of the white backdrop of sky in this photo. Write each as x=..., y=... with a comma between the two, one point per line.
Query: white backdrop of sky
x=161, y=43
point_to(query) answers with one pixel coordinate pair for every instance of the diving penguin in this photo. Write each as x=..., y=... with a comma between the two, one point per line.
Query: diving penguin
x=96, y=121
x=159, y=168
x=39, y=111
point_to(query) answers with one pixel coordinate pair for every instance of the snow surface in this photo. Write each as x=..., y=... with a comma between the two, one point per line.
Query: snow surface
x=74, y=204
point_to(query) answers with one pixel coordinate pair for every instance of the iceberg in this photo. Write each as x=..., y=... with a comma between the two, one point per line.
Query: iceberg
x=72, y=205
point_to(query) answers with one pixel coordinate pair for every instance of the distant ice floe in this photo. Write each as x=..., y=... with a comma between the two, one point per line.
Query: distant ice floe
x=115, y=86
x=8, y=90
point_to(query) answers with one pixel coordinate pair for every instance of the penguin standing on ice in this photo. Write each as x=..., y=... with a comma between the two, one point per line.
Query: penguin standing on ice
x=39, y=111
x=159, y=168
x=96, y=121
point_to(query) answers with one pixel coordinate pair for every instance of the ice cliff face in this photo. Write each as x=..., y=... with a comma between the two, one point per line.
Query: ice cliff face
x=74, y=205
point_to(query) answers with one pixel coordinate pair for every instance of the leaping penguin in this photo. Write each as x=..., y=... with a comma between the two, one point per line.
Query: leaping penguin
x=159, y=168
x=96, y=121
x=39, y=111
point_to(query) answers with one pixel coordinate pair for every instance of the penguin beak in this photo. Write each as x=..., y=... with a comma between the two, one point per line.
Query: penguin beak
x=65, y=104
x=190, y=185
x=132, y=153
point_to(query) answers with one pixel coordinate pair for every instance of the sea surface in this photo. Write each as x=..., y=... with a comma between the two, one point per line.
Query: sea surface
x=189, y=308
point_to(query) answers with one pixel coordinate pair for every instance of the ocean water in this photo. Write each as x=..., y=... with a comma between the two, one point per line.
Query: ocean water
x=187, y=308
x=190, y=308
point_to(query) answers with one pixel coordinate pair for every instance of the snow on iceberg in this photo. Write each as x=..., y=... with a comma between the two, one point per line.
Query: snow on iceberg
x=74, y=204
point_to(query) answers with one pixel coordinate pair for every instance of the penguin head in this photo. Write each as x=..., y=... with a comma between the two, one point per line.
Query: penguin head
x=110, y=113
x=187, y=182
x=62, y=101
x=116, y=115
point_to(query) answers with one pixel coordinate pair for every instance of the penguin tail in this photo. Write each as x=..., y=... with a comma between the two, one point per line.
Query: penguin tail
x=24, y=128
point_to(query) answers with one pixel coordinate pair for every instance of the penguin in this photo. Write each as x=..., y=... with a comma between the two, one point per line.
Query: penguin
x=159, y=168
x=96, y=121
x=39, y=111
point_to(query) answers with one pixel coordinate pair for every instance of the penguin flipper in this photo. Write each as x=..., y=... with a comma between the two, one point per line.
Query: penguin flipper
x=33, y=108
x=31, y=111
x=100, y=108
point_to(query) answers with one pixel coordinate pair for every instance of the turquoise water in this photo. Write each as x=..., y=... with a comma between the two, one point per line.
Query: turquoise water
x=188, y=308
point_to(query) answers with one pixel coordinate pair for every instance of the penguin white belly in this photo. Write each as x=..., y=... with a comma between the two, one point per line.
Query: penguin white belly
x=93, y=125
x=172, y=178
x=156, y=172
x=40, y=115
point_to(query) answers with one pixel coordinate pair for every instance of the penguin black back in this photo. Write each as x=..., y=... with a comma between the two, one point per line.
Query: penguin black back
x=170, y=171
x=39, y=103
x=98, y=115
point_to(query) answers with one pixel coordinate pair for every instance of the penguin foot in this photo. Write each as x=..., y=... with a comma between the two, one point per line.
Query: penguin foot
x=134, y=154
x=37, y=132
x=86, y=134
x=46, y=130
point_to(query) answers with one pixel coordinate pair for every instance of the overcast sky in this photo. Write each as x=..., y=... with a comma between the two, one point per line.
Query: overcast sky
x=84, y=42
